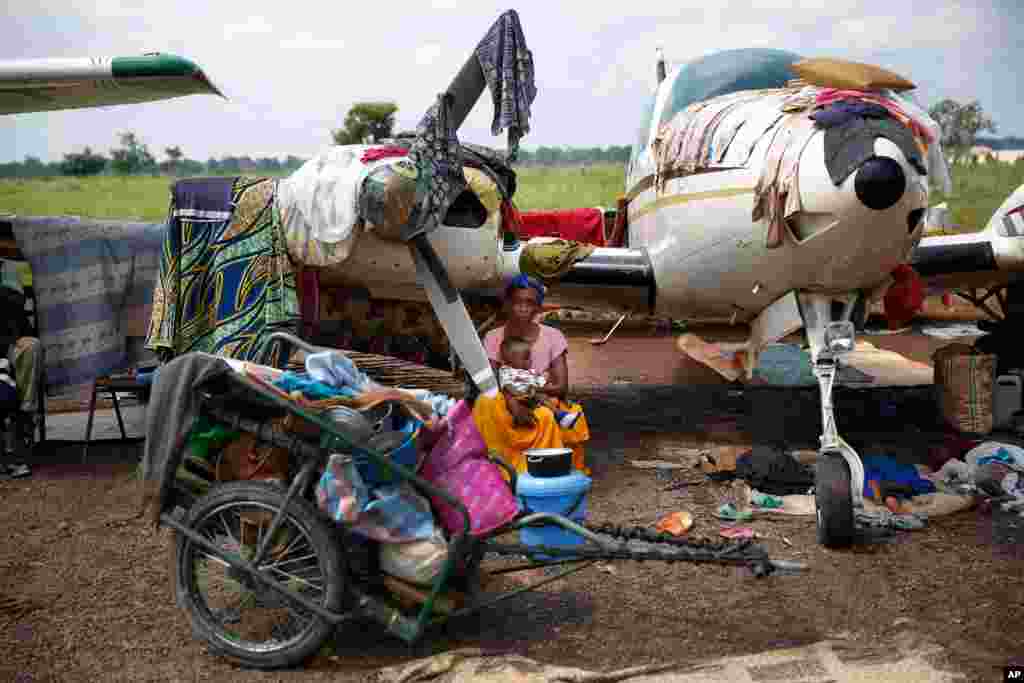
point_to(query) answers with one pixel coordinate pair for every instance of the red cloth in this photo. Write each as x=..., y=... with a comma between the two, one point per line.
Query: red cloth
x=377, y=153
x=510, y=217
x=904, y=298
x=578, y=225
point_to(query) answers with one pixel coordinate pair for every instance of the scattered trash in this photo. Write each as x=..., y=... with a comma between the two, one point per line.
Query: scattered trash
x=787, y=541
x=722, y=460
x=763, y=500
x=728, y=511
x=954, y=330
x=886, y=520
x=608, y=569
x=656, y=465
x=681, y=484
x=676, y=523
x=663, y=473
x=736, y=532
x=741, y=495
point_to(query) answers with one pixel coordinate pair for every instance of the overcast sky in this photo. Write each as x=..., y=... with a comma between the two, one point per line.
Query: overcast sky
x=292, y=69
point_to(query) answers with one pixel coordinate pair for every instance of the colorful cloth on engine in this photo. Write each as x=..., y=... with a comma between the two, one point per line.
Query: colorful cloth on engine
x=225, y=280
x=548, y=259
x=577, y=225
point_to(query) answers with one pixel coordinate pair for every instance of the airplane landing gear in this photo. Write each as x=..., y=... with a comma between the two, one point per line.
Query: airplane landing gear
x=839, y=475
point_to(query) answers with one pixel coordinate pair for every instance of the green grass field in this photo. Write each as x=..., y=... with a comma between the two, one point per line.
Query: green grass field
x=977, y=193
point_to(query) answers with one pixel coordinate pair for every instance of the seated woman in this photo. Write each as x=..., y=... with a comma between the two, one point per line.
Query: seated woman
x=510, y=425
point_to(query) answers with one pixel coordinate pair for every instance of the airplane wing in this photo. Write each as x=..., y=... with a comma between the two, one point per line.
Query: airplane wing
x=986, y=259
x=33, y=85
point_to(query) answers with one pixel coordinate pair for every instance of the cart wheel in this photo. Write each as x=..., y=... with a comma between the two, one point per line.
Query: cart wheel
x=238, y=617
x=833, y=501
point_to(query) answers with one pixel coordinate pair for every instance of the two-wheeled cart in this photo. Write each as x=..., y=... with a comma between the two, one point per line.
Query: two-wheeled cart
x=266, y=576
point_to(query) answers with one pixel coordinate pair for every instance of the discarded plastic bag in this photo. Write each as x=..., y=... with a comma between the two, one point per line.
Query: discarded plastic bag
x=763, y=500
x=417, y=562
x=677, y=523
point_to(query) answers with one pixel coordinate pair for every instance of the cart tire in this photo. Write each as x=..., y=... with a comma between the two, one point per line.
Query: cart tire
x=833, y=501
x=322, y=541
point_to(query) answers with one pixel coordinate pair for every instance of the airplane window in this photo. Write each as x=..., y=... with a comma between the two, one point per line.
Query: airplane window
x=645, y=128
x=728, y=72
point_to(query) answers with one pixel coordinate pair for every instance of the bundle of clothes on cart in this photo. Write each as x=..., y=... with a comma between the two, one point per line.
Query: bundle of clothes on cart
x=464, y=447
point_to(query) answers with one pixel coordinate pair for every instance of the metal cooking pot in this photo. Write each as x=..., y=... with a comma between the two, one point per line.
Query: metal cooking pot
x=548, y=462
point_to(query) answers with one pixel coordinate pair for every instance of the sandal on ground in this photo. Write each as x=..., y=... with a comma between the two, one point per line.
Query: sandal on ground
x=15, y=471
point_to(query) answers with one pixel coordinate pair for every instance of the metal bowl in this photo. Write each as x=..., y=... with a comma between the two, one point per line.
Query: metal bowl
x=352, y=423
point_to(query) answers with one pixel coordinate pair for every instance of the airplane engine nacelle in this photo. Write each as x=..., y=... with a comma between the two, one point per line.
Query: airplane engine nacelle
x=853, y=235
x=385, y=267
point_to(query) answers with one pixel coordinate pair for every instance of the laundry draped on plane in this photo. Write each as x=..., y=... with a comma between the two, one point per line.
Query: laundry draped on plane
x=699, y=136
x=225, y=281
x=578, y=225
x=318, y=204
x=841, y=111
x=829, y=95
x=777, y=193
x=850, y=144
x=507, y=65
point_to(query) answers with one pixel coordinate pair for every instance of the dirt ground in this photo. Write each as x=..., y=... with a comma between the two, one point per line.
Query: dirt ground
x=86, y=590
x=96, y=603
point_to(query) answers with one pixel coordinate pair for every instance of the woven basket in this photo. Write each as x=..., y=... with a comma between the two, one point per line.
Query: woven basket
x=965, y=380
x=394, y=372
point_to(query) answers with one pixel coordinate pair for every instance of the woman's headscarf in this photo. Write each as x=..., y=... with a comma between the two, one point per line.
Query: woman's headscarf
x=523, y=281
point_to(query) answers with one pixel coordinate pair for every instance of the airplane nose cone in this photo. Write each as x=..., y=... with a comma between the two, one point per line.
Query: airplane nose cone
x=880, y=183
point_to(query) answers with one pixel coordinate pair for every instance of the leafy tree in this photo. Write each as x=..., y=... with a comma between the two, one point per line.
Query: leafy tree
x=132, y=157
x=190, y=167
x=960, y=125
x=366, y=121
x=83, y=164
x=173, y=163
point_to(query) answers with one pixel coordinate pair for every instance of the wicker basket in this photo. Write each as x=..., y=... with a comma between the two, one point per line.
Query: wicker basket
x=394, y=372
x=965, y=380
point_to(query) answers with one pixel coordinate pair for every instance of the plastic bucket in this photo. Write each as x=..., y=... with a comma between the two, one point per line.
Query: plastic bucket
x=557, y=496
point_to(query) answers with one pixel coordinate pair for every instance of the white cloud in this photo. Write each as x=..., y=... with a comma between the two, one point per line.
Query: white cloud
x=307, y=41
x=293, y=71
x=428, y=53
x=255, y=25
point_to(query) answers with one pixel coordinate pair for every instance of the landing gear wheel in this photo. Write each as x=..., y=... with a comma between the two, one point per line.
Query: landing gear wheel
x=833, y=501
x=237, y=616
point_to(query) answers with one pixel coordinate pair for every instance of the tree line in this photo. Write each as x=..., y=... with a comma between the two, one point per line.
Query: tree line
x=133, y=157
x=369, y=122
